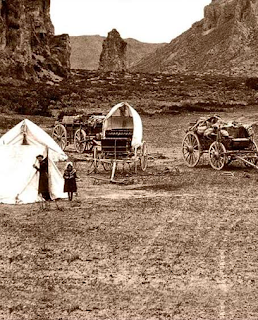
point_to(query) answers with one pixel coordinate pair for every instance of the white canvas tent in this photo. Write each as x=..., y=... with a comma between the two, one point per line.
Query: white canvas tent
x=19, y=180
x=132, y=120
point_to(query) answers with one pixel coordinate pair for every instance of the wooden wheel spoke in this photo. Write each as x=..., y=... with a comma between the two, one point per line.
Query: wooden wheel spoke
x=186, y=146
x=80, y=140
x=189, y=159
x=191, y=149
x=188, y=155
x=185, y=153
x=59, y=134
x=196, y=148
x=217, y=155
x=192, y=158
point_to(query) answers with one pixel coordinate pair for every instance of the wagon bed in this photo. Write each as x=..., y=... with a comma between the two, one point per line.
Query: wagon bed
x=224, y=142
x=83, y=131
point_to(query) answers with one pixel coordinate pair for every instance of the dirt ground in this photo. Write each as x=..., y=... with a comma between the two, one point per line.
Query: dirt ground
x=170, y=243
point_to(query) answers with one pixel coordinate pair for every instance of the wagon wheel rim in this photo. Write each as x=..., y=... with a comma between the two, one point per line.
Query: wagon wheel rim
x=144, y=157
x=217, y=155
x=80, y=140
x=92, y=162
x=107, y=166
x=252, y=160
x=59, y=134
x=191, y=149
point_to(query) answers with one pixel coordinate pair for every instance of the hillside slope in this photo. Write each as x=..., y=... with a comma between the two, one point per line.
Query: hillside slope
x=86, y=50
x=225, y=41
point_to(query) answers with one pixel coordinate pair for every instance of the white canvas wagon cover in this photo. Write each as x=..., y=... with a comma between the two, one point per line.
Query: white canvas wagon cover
x=33, y=135
x=133, y=121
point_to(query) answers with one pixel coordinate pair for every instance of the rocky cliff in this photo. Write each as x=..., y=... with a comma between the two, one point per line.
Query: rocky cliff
x=225, y=41
x=113, y=55
x=28, y=47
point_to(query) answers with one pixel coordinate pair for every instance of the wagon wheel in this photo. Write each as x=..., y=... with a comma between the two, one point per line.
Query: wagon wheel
x=106, y=165
x=89, y=145
x=191, y=149
x=217, y=155
x=92, y=162
x=144, y=157
x=59, y=134
x=80, y=140
x=253, y=160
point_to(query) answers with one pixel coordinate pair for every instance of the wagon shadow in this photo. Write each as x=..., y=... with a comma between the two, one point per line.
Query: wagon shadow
x=161, y=187
x=231, y=168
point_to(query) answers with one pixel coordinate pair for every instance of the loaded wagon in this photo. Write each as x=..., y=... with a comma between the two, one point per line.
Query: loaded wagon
x=224, y=142
x=83, y=131
x=122, y=140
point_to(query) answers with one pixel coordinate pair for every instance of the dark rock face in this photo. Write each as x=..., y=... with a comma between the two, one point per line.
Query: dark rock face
x=113, y=55
x=27, y=43
x=224, y=42
x=220, y=12
x=60, y=49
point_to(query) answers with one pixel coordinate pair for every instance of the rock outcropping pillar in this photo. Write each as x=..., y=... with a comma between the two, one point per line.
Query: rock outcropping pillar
x=113, y=55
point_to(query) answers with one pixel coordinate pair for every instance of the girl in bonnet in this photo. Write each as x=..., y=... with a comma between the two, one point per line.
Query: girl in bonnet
x=70, y=185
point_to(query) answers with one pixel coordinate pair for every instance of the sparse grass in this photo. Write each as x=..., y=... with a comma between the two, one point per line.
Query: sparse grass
x=158, y=248
x=161, y=247
x=88, y=91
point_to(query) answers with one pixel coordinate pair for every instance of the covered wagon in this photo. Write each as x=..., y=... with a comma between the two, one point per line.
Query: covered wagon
x=122, y=139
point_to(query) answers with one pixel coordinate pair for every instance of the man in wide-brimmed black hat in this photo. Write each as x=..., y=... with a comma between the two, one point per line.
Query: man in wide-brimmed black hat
x=43, y=177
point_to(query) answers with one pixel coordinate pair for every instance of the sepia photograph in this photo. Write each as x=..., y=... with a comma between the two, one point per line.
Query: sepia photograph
x=128, y=159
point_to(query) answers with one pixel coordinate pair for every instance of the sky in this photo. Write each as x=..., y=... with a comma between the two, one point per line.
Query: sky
x=153, y=21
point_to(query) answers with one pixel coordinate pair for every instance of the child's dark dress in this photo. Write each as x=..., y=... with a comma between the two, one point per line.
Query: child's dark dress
x=70, y=181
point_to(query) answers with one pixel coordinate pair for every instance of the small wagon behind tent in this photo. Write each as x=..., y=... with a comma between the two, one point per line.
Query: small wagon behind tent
x=83, y=131
x=122, y=140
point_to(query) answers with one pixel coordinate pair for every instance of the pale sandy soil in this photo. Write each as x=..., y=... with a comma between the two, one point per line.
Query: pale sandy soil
x=171, y=243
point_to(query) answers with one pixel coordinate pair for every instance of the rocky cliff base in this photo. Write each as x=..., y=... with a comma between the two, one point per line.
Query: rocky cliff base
x=28, y=47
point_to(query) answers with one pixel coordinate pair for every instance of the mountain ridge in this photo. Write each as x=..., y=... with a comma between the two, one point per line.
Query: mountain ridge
x=86, y=50
x=224, y=42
